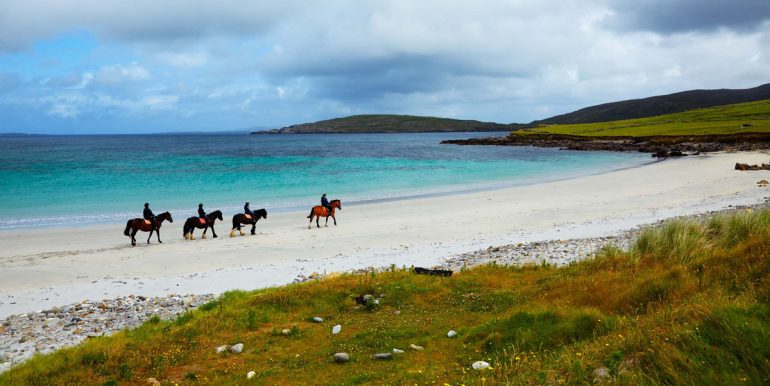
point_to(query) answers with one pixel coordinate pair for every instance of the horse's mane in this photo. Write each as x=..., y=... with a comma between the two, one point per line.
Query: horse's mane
x=335, y=200
x=260, y=211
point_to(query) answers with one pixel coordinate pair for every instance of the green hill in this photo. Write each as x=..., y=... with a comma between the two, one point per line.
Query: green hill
x=389, y=124
x=689, y=304
x=730, y=119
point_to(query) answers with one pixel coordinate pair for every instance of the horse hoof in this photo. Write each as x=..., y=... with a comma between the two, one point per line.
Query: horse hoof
x=308, y=227
x=187, y=236
x=203, y=237
x=232, y=234
x=215, y=236
x=192, y=237
x=243, y=234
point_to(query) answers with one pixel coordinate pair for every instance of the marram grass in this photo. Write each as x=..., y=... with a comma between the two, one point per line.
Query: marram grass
x=688, y=304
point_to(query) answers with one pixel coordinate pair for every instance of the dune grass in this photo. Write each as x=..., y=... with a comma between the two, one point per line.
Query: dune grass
x=688, y=304
x=730, y=119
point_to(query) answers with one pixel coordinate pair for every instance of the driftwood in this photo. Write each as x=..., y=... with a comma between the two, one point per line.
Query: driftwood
x=433, y=272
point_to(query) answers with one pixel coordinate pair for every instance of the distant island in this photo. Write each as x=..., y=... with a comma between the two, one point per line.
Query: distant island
x=383, y=123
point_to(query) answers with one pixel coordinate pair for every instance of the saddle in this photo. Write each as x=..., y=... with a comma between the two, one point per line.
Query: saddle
x=247, y=216
x=202, y=220
x=148, y=222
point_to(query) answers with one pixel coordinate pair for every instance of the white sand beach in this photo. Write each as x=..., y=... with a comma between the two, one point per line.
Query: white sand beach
x=43, y=268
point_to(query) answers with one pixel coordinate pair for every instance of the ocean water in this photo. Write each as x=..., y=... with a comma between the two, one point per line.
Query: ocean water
x=52, y=180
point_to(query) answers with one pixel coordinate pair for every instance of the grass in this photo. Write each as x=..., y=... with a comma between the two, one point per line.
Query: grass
x=688, y=304
x=729, y=119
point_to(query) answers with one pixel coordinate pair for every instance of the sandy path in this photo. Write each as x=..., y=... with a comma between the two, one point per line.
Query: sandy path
x=49, y=267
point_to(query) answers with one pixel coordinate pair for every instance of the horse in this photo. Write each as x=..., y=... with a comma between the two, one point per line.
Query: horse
x=244, y=219
x=321, y=211
x=195, y=222
x=140, y=224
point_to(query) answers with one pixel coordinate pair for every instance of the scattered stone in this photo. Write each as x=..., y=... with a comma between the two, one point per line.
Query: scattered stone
x=383, y=356
x=602, y=375
x=480, y=365
x=318, y=319
x=153, y=382
x=336, y=329
x=451, y=334
x=237, y=348
x=341, y=357
x=285, y=331
x=251, y=374
x=416, y=347
x=222, y=348
x=397, y=351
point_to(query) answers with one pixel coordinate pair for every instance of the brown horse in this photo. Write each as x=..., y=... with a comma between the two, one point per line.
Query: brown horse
x=139, y=224
x=321, y=211
x=242, y=219
x=195, y=222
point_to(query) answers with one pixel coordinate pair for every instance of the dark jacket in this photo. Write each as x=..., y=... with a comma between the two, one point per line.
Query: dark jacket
x=201, y=212
x=246, y=209
x=148, y=215
x=324, y=201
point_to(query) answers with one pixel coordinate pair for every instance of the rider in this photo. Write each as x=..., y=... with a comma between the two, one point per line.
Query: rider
x=325, y=203
x=201, y=212
x=148, y=215
x=246, y=210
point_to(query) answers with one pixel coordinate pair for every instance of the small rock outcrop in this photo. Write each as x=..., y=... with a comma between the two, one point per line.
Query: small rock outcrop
x=341, y=357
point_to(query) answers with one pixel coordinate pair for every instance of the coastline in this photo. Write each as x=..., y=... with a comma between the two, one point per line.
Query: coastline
x=43, y=269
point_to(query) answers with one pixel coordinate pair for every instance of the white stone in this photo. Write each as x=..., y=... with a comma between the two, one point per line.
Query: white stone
x=341, y=357
x=397, y=351
x=251, y=374
x=318, y=319
x=480, y=365
x=451, y=334
x=286, y=331
x=416, y=347
x=237, y=348
x=336, y=329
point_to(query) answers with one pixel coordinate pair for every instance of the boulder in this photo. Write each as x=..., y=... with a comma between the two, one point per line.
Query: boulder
x=237, y=348
x=383, y=356
x=336, y=329
x=341, y=357
x=480, y=365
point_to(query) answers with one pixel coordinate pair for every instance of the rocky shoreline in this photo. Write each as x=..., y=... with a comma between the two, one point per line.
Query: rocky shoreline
x=658, y=146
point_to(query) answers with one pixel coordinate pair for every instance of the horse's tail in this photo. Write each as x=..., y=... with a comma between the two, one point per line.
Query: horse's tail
x=311, y=212
x=185, y=229
x=128, y=227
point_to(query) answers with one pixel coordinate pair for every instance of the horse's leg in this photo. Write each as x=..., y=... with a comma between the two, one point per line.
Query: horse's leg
x=316, y=221
x=241, y=231
x=192, y=229
x=157, y=231
x=326, y=224
x=212, y=230
x=253, y=228
x=335, y=220
x=133, y=236
x=309, y=224
x=150, y=236
x=204, y=232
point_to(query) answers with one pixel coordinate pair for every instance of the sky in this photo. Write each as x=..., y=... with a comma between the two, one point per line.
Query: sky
x=109, y=66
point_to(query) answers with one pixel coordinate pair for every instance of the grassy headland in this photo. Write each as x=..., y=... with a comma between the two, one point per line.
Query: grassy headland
x=688, y=304
x=753, y=117
x=384, y=123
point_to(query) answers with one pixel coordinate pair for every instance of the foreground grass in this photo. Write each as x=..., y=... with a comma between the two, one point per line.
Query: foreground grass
x=689, y=304
x=729, y=119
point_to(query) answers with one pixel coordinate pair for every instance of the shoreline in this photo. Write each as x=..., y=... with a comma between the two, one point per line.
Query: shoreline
x=43, y=270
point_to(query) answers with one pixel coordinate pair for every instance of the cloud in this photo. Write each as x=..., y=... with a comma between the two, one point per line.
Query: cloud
x=183, y=59
x=676, y=16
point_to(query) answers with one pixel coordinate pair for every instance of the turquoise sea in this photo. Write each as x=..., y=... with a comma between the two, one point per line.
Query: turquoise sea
x=51, y=180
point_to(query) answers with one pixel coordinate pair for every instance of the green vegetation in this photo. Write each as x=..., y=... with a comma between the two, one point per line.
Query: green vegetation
x=730, y=119
x=384, y=123
x=688, y=304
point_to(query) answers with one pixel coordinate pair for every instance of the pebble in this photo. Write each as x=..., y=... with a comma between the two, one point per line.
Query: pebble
x=416, y=347
x=251, y=374
x=318, y=319
x=336, y=329
x=480, y=365
x=286, y=331
x=237, y=348
x=451, y=334
x=222, y=348
x=383, y=356
x=341, y=357
x=49, y=330
x=397, y=351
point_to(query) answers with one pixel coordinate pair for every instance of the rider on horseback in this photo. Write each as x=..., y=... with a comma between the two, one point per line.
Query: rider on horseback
x=201, y=212
x=247, y=210
x=148, y=215
x=325, y=203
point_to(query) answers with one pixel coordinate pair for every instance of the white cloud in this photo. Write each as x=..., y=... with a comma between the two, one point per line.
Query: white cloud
x=121, y=73
x=183, y=59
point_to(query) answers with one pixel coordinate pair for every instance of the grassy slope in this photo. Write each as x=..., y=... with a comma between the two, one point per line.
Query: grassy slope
x=394, y=123
x=690, y=304
x=728, y=119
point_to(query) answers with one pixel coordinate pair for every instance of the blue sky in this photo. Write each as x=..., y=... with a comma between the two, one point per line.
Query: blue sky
x=146, y=66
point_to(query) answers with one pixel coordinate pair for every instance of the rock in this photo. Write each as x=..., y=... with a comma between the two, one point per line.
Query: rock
x=480, y=365
x=222, y=348
x=317, y=319
x=602, y=375
x=251, y=374
x=153, y=382
x=336, y=329
x=285, y=331
x=397, y=351
x=451, y=334
x=383, y=356
x=341, y=357
x=762, y=183
x=237, y=348
x=416, y=347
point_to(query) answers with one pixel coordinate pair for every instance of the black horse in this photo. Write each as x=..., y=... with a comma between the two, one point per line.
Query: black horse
x=140, y=224
x=195, y=222
x=244, y=219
